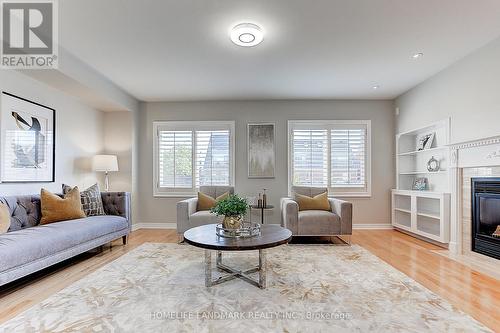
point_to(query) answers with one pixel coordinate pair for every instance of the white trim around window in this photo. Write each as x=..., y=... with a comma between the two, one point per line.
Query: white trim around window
x=188, y=131
x=322, y=131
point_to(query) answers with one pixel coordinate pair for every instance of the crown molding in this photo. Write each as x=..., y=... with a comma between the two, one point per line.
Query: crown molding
x=476, y=143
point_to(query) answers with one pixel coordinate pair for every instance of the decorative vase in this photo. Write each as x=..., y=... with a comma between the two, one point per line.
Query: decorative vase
x=231, y=222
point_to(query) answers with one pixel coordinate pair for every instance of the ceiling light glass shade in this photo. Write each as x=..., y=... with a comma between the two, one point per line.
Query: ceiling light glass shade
x=247, y=34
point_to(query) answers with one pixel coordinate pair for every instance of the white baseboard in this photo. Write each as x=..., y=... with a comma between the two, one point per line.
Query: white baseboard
x=372, y=226
x=137, y=226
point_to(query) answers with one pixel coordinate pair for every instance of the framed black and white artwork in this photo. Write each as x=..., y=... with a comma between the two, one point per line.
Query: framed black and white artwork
x=261, y=150
x=27, y=141
x=425, y=141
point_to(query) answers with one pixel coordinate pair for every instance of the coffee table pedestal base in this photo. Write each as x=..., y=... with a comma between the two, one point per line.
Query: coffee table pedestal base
x=234, y=273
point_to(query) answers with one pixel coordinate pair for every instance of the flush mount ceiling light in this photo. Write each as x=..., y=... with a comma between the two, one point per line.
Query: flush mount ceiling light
x=375, y=87
x=417, y=55
x=247, y=34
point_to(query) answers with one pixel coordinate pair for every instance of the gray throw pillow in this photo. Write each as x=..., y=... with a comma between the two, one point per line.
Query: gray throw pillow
x=90, y=198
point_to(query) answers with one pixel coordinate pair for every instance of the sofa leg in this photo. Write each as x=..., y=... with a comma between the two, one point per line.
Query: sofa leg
x=125, y=239
x=180, y=238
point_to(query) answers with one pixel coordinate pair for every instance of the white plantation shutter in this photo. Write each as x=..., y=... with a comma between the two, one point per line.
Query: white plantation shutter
x=332, y=153
x=175, y=159
x=310, y=157
x=348, y=151
x=190, y=154
x=212, y=158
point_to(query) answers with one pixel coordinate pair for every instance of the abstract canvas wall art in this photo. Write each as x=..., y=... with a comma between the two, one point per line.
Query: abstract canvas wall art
x=261, y=150
x=26, y=141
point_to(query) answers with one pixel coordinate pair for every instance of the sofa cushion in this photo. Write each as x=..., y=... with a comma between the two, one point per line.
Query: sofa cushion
x=203, y=217
x=55, y=208
x=24, y=211
x=4, y=218
x=214, y=190
x=27, y=245
x=206, y=202
x=318, y=222
x=317, y=202
x=90, y=198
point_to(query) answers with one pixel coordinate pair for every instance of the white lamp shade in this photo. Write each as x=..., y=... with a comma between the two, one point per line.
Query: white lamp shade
x=105, y=163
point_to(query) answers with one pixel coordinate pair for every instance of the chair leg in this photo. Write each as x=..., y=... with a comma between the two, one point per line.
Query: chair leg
x=125, y=239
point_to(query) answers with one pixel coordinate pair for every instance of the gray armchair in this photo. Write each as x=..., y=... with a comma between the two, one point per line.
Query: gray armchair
x=187, y=215
x=337, y=222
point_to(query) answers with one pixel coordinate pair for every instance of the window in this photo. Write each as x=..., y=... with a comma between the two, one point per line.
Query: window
x=333, y=154
x=192, y=154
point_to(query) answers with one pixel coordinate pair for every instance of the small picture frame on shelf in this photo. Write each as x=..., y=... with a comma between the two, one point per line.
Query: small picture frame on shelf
x=420, y=184
x=426, y=141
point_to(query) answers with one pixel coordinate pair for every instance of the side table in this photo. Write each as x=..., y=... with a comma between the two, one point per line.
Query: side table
x=261, y=209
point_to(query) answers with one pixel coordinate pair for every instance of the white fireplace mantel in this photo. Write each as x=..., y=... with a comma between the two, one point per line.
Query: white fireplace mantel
x=469, y=154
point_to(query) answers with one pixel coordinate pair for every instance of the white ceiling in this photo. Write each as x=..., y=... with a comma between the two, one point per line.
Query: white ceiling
x=313, y=49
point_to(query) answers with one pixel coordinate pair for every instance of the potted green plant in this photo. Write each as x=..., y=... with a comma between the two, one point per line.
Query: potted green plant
x=233, y=208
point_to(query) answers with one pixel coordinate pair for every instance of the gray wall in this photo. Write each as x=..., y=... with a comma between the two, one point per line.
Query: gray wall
x=468, y=92
x=79, y=133
x=374, y=210
x=118, y=140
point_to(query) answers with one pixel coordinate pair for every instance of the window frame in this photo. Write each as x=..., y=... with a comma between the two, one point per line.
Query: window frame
x=348, y=191
x=192, y=126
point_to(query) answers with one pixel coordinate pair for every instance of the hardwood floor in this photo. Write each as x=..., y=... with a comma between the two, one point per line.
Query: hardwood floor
x=472, y=292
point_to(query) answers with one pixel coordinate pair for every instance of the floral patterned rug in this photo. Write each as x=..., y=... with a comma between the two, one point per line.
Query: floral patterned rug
x=313, y=288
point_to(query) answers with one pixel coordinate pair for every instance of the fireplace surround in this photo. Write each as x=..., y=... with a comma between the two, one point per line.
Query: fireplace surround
x=485, y=197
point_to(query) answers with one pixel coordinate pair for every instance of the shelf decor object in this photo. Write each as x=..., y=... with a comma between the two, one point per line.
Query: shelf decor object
x=421, y=199
x=433, y=165
x=420, y=184
x=425, y=141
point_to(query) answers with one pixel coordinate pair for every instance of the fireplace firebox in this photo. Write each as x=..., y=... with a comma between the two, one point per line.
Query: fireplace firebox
x=486, y=216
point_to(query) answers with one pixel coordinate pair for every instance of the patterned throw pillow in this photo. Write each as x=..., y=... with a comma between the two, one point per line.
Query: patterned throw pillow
x=90, y=198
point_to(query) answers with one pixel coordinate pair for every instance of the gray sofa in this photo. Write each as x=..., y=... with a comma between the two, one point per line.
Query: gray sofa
x=337, y=222
x=28, y=247
x=188, y=217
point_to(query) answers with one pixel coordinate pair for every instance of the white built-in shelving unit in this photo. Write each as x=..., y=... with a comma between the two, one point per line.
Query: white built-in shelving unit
x=424, y=213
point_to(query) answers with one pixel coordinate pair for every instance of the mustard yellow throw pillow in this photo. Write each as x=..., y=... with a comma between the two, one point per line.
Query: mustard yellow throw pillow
x=206, y=202
x=55, y=208
x=4, y=218
x=318, y=202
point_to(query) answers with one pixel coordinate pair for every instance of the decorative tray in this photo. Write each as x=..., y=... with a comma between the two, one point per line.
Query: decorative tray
x=248, y=229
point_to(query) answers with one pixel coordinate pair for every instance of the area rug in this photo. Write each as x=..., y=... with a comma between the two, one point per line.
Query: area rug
x=322, y=288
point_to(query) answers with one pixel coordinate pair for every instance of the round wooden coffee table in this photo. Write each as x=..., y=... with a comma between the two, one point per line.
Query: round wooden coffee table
x=272, y=235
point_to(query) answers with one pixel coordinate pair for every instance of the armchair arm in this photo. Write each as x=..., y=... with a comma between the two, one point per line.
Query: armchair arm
x=344, y=210
x=117, y=203
x=290, y=215
x=185, y=209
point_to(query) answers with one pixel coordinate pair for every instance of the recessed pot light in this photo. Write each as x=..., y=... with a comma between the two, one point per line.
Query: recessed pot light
x=247, y=34
x=417, y=55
